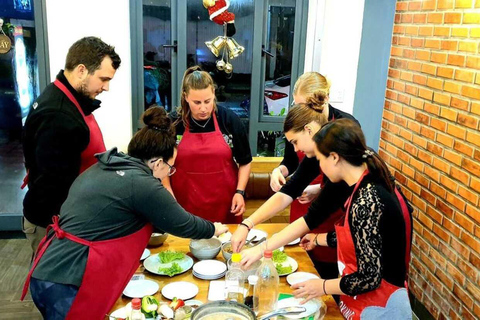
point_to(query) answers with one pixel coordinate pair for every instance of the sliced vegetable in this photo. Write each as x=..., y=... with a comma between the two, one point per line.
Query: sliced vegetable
x=172, y=270
x=169, y=256
x=166, y=311
x=183, y=313
x=150, y=306
x=176, y=303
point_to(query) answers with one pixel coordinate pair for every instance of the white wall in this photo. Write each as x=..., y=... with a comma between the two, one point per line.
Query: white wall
x=333, y=45
x=68, y=21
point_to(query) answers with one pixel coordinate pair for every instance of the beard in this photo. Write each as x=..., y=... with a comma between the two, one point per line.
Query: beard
x=83, y=90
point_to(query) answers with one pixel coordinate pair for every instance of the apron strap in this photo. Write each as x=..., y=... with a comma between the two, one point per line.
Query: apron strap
x=42, y=247
x=69, y=95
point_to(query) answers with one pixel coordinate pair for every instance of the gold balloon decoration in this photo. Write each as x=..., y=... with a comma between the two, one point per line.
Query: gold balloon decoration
x=227, y=47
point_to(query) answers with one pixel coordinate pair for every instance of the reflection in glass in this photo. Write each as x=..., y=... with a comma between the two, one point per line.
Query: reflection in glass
x=157, y=59
x=280, y=28
x=270, y=144
x=18, y=89
x=233, y=91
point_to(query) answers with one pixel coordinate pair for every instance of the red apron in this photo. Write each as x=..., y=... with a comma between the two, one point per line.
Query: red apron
x=206, y=177
x=110, y=266
x=297, y=210
x=387, y=300
x=96, y=144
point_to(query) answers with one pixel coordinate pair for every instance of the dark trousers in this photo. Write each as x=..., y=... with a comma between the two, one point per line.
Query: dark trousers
x=54, y=300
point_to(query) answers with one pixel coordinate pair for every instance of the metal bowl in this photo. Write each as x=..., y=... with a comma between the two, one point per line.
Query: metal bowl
x=205, y=248
x=218, y=307
x=227, y=254
x=157, y=239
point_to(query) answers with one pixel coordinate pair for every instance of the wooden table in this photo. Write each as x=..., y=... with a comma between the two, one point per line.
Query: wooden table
x=180, y=244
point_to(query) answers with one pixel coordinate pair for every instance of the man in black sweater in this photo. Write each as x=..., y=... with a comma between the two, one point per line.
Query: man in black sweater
x=61, y=135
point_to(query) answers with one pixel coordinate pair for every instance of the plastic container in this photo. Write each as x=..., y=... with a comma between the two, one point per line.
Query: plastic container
x=136, y=310
x=265, y=294
x=252, y=282
x=235, y=280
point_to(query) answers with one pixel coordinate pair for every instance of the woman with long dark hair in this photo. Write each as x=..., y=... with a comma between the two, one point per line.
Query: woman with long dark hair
x=373, y=240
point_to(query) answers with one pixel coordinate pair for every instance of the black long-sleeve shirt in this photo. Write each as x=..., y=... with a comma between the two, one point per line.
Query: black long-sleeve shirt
x=377, y=227
x=54, y=137
x=114, y=198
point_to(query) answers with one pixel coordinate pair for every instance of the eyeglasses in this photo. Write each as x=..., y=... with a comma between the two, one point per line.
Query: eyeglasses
x=171, y=169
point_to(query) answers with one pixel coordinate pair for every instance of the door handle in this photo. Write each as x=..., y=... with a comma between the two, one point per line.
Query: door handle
x=171, y=46
x=265, y=52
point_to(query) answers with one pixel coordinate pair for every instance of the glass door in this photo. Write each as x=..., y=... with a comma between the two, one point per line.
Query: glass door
x=169, y=36
x=19, y=86
x=233, y=89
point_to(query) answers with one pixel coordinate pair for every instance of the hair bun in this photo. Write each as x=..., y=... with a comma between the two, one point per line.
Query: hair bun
x=156, y=118
x=317, y=101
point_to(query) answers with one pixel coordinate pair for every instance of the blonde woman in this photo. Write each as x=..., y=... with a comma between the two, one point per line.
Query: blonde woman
x=213, y=161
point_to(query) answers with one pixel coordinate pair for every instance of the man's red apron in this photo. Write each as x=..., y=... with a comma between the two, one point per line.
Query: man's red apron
x=96, y=144
x=297, y=210
x=206, y=177
x=110, y=266
x=373, y=303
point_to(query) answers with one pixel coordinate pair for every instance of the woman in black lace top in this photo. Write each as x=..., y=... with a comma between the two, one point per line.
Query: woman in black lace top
x=373, y=241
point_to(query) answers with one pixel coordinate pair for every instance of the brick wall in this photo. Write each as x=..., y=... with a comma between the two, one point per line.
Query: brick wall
x=430, y=138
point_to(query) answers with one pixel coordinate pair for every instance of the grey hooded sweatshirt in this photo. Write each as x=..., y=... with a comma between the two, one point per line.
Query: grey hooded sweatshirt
x=114, y=198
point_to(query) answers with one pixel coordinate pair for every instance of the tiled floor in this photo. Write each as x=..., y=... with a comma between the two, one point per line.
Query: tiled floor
x=15, y=257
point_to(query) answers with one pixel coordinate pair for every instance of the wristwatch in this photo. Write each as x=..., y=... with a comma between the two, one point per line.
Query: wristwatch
x=242, y=192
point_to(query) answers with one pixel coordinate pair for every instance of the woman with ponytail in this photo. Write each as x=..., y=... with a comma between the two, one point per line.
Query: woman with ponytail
x=302, y=122
x=373, y=240
x=93, y=248
x=213, y=161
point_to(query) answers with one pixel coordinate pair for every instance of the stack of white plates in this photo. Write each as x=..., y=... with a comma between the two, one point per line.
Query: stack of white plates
x=209, y=269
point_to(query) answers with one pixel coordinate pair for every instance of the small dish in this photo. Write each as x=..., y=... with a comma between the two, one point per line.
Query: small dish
x=181, y=290
x=145, y=254
x=311, y=307
x=298, y=277
x=140, y=288
x=258, y=233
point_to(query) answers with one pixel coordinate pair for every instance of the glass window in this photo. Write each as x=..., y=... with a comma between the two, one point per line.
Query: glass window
x=19, y=86
x=270, y=144
x=157, y=55
x=233, y=90
x=280, y=30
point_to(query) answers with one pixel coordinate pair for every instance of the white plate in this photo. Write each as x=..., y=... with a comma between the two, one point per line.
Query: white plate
x=145, y=254
x=298, y=277
x=225, y=237
x=123, y=312
x=140, y=288
x=209, y=268
x=153, y=263
x=182, y=290
x=294, y=242
x=255, y=232
x=289, y=262
x=312, y=306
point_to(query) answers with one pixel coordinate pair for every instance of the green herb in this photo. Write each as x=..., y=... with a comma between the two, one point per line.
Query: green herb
x=173, y=270
x=169, y=256
x=279, y=256
x=283, y=270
